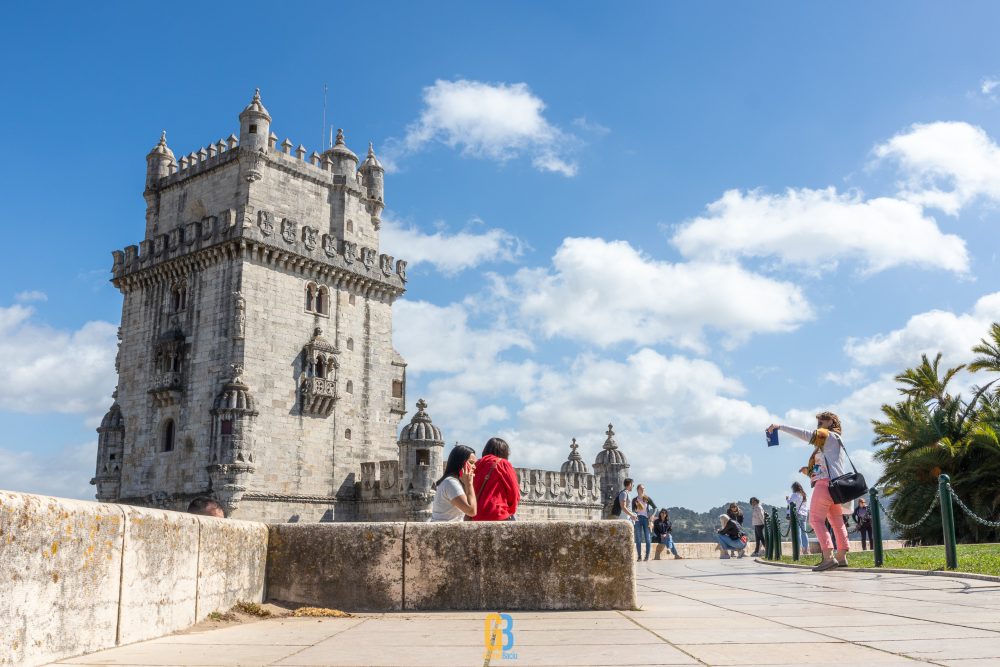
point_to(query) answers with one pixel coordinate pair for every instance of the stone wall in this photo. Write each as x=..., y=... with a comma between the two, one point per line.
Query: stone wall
x=77, y=576
x=505, y=565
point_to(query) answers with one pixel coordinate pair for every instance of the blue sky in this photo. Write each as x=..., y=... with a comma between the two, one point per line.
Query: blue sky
x=685, y=219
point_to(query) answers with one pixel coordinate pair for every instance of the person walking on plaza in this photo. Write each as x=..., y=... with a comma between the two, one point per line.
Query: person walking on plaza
x=497, y=489
x=757, y=519
x=731, y=537
x=663, y=531
x=863, y=520
x=454, y=493
x=642, y=506
x=827, y=463
x=797, y=503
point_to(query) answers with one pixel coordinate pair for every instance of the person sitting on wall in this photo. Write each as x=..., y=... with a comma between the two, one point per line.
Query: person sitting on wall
x=497, y=489
x=454, y=494
x=206, y=506
x=663, y=535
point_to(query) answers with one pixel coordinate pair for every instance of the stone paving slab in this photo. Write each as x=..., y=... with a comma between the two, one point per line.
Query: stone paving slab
x=691, y=613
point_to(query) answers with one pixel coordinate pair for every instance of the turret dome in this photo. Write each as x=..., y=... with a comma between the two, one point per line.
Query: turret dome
x=371, y=162
x=610, y=454
x=256, y=108
x=420, y=430
x=161, y=150
x=575, y=462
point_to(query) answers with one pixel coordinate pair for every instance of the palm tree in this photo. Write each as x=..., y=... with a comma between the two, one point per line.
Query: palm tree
x=988, y=350
x=924, y=383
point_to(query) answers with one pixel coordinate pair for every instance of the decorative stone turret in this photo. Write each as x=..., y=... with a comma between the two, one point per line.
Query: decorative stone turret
x=110, y=446
x=575, y=462
x=160, y=162
x=319, y=376
x=255, y=125
x=421, y=456
x=232, y=461
x=374, y=175
x=342, y=159
x=611, y=468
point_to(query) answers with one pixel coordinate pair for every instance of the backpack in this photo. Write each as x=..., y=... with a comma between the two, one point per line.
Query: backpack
x=616, y=508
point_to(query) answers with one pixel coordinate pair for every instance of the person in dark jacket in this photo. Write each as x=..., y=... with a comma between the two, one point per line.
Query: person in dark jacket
x=730, y=536
x=735, y=512
x=662, y=535
x=863, y=520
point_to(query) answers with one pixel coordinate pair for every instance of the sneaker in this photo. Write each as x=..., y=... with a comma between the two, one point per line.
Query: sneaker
x=842, y=563
x=825, y=565
x=678, y=557
x=724, y=556
x=646, y=558
x=755, y=554
x=743, y=553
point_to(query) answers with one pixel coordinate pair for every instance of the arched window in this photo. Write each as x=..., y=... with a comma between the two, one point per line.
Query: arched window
x=320, y=368
x=168, y=436
x=347, y=434
x=350, y=387
x=310, y=297
x=350, y=226
x=323, y=301
x=350, y=343
x=350, y=299
x=178, y=298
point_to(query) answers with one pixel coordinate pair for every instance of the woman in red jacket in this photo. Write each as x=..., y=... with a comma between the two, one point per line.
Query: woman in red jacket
x=496, y=485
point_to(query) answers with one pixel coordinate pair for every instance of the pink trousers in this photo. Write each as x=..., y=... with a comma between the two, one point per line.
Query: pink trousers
x=822, y=508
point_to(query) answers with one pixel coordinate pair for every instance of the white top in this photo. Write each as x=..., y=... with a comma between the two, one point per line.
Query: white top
x=626, y=508
x=757, y=515
x=442, y=509
x=796, y=499
x=833, y=451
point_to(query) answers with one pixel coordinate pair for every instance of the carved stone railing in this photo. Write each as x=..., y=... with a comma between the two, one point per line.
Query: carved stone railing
x=166, y=387
x=550, y=487
x=319, y=396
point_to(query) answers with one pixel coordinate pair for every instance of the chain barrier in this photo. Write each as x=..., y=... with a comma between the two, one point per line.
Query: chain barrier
x=969, y=512
x=908, y=526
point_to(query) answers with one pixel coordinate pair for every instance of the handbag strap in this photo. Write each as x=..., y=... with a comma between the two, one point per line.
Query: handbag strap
x=844, y=448
x=487, y=478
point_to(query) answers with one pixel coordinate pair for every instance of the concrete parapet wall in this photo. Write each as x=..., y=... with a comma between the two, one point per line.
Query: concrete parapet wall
x=490, y=566
x=78, y=576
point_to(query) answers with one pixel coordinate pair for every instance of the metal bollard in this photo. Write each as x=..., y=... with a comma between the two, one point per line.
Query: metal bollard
x=793, y=523
x=767, y=540
x=776, y=529
x=948, y=522
x=876, y=525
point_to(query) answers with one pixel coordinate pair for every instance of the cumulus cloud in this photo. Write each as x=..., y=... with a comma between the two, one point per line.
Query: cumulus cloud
x=945, y=165
x=450, y=253
x=52, y=370
x=29, y=296
x=65, y=474
x=928, y=333
x=607, y=292
x=491, y=121
x=815, y=229
x=988, y=85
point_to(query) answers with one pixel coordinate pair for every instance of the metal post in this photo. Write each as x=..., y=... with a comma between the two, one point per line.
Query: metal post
x=776, y=529
x=948, y=522
x=793, y=529
x=876, y=525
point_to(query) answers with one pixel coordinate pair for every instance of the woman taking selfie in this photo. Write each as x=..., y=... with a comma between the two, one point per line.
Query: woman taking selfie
x=454, y=495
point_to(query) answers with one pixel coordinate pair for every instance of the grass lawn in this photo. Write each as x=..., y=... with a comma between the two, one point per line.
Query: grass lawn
x=976, y=558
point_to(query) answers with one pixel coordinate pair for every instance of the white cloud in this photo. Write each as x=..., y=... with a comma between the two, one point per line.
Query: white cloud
x=815, y=229
x=847, y=378
x=492, y=121
x=607, y=292
x=50, y=370
x=945, y=164
x=450, y=253
x=66, y=474
x=987, y=86
x=31, y=295
x=928, y=333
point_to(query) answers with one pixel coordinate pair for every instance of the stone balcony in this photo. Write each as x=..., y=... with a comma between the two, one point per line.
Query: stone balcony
x=167, y=387
x=319, y=396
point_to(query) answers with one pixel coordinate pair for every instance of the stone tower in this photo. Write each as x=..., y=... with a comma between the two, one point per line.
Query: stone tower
x=421, y=457
x=611, y=468
x=256, y=360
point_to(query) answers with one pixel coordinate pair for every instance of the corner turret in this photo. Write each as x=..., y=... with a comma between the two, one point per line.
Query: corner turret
x=160, y=162
x=611, y=468
x=255, y=124
x=374, y=179
x=421, y=458
x=342, y=159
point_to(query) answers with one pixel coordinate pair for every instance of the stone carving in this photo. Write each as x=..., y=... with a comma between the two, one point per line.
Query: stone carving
x=240, y=325
x=401, y=269
x=309, y=236
x=350, y=251
x=329, y=245
x=232, y=459
x=254, y=163
x=368, y=258
x=318, y=380
x=288, y=230
x=265, y=222
x=385, y=263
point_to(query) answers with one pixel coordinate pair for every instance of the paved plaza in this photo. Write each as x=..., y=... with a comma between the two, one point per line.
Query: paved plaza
x=694, y=612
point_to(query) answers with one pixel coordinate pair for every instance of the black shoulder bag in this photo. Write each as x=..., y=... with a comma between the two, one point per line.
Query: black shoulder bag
x=849, y=486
